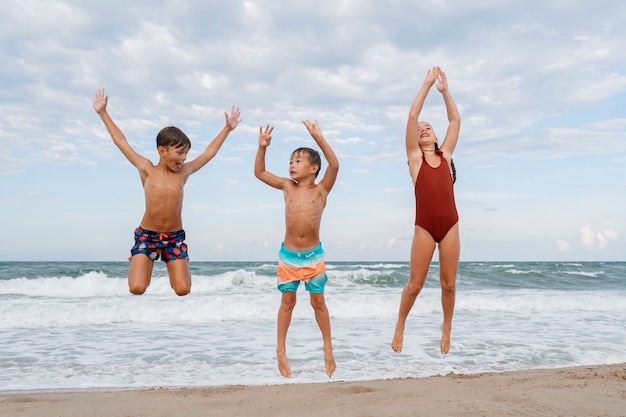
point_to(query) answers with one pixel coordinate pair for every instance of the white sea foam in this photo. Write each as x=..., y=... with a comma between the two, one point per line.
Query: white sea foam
x=594, y=274
x=83, y=330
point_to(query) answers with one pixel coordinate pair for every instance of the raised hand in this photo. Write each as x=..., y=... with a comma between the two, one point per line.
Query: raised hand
x=232, y=120
x=265, y=136
x=100, y=101
x=313, y=128
x=442, y=82
x=431, y=76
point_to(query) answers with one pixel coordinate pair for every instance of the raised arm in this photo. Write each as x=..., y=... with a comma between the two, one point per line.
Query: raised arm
x=232, y=121
x=100, y=102
x=454, y=119
x=413, y=151
x=330, y=176
x=265, y=137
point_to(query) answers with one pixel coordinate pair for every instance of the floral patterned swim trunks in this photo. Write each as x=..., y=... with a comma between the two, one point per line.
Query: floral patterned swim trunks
x=170, y=245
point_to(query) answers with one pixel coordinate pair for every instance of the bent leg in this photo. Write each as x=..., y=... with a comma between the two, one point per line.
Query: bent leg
x=449, y=254
x=180, y=277
x=288, y=302
x=323, y=321
x=139, y=273
x=422, y=251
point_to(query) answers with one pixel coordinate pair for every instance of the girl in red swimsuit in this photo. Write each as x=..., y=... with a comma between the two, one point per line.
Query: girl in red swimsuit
x=436, y=218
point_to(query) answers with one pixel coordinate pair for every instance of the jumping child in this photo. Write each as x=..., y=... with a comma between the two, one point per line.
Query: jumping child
x=160, y=232
x=301, y=257
x=436, y=218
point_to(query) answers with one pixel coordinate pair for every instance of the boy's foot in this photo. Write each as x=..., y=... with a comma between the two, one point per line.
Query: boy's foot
x=445, y=339
x=283, y=365
x=329, y=360
x=398, y=338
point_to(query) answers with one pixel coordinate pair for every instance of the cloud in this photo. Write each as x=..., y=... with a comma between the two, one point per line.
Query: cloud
x=220, y=248
x=352, y=141
x=390, y=243
x=540, y=89
x=563, y=245
x=594, y=240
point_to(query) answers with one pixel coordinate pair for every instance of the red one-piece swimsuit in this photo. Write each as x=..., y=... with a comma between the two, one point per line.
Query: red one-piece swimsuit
x=435, y=209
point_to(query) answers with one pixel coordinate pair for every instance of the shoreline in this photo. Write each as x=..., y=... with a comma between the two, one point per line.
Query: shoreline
x=598, y=390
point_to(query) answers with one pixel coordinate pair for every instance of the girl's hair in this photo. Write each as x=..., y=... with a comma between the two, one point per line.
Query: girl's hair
x=172, y=136
x=452, y=167
x=314, y=157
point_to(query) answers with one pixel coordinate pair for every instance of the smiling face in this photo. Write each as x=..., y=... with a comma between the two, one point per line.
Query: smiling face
x=425, y=134
x=173, y=157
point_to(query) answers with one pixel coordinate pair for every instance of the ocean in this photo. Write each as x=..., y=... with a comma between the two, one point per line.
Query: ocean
x=68, y=326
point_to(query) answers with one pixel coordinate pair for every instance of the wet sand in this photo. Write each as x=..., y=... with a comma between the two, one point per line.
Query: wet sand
x=578, y=391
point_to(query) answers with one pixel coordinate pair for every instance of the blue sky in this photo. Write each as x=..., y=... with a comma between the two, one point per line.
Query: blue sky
x=540, y=85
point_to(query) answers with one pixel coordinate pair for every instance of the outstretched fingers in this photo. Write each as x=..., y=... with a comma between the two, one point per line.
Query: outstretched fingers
x=100, y=100
x=268, y=130
x=312, y=127
x=442, y=82
x=431, y=76
x=234, y=118
x=265, y=136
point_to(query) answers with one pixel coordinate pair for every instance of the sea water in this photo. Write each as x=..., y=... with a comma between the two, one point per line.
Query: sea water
x=68, y=326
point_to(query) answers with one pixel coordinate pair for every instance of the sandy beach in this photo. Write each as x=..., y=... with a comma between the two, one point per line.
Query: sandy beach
x=578, y=391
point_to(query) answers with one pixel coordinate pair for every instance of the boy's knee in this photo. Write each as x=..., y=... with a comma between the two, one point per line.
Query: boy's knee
x=182, y=290
x=137, y=289
x=288, y=301
x=181, y=286
x=317, y=302
x=180, y=282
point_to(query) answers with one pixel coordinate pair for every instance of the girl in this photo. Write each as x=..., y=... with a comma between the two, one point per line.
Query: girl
x=436, y=219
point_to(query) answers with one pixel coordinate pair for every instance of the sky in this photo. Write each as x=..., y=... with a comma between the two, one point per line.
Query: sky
x=540, y=86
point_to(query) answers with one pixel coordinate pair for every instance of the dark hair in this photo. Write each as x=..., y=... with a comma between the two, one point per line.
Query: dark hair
x=452, y=167
x=172, y=136
x=314, y=157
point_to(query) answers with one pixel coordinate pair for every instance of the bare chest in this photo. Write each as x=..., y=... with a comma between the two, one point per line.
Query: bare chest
x=309, y=200
x=163, y=185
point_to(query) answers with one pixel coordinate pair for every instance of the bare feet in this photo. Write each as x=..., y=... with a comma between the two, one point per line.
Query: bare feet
x=398, y=338
x=283, y=364
x=445, y=339
x=329, y=360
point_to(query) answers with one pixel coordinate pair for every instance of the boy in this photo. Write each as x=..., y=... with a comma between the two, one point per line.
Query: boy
x=301, y=257
x=160, y=232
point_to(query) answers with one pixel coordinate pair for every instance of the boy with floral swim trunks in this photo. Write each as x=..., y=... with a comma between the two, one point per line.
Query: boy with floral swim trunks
x=301, y=257
x=160, y=232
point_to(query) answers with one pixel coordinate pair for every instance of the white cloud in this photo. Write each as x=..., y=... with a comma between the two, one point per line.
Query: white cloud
x=541, y=96
x=220, y=248
x=390, y=243
x=563, y=245
x=594, y=240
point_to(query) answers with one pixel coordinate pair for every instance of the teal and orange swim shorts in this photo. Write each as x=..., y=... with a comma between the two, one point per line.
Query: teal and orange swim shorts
x=308, y=266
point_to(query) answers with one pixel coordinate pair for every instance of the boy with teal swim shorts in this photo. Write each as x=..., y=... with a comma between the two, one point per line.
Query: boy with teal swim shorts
x=301, y=257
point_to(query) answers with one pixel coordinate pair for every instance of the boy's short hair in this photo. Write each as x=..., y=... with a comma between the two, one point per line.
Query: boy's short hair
x=172, y=136
x=314, y=157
